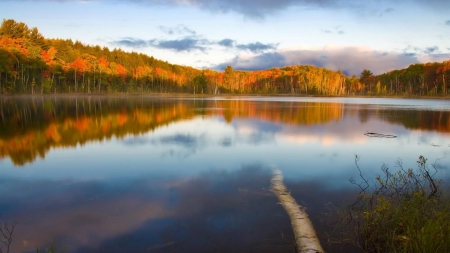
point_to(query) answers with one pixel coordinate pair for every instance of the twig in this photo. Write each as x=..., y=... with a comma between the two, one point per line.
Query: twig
x=6, y=233
x=360, y=185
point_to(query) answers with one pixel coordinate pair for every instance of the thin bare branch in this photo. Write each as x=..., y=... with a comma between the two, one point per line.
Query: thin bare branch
x=6, y=233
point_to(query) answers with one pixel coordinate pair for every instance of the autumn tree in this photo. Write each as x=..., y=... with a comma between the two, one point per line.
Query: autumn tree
x=79, y=65
x=444, y=70
x=10, y=28
x=367, y=79
x=103, y=68
x=27, y=58
x=200, y=83
x=5, y=63
x=228, y=77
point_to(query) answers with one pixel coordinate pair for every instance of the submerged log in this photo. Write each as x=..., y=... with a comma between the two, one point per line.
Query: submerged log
x=305, y=235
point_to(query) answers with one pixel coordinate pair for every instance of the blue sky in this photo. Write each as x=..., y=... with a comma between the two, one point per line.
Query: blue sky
x=350, y=35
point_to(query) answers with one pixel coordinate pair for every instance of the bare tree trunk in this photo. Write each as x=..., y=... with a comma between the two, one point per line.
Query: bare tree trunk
x=75, y=75
x=27, y=80
x=443, y=81
x=100, y=81
x=22, y=76
x=292, y=85
x=83, y=81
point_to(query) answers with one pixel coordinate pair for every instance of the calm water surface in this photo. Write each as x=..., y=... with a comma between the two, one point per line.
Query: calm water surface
x=149, y=174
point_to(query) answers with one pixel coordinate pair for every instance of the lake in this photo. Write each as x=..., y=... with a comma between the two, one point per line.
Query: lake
x=171, y=174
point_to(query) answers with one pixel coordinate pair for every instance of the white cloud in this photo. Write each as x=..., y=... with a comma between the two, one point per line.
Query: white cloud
x=350, y=60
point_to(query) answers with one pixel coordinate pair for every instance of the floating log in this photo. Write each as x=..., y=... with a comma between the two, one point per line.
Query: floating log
x=369, y=134
x=305, y=235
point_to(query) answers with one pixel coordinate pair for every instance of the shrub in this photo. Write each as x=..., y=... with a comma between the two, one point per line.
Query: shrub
x=402, y=211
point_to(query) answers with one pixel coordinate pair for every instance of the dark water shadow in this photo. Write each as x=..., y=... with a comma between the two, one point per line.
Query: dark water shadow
x=216, y=211
x=322, y=203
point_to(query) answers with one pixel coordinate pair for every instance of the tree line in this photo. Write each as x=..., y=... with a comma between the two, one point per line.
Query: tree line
x=33, y=64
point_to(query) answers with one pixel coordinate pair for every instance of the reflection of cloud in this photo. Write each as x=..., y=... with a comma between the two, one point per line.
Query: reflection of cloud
x=299, y=139
x=183, y=145
x=329, y=140
x=200, y=214
x=81, y=213
x=178, y=154
x=245, y=129
x=184, y=140
x=336, y=133
x=189, y=144
x=259, y=138
x=256, y=132
x=252, y=126
x=249, y=135
x=135, y=141
x=440, y=166
x=226, y=142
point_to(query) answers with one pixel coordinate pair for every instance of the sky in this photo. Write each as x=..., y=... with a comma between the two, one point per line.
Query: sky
x=346, y=35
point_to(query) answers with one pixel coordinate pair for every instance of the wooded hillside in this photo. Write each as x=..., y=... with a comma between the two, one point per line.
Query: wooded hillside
x=33, y=64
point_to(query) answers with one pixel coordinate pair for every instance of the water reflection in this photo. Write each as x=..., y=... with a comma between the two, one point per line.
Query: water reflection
x=214, y=211
x=29, y=128
x=170, y=175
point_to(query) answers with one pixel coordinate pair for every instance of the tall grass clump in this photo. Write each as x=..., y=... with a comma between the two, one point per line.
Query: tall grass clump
x=401, y=211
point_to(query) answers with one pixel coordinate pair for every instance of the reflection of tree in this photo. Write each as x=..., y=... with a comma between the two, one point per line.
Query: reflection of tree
x=31, y=127
x=363, y=115
x=412, y=119
x=294, y=113
x=423, y=120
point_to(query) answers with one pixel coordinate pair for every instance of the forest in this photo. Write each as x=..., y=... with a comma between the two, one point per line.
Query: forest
x=33, y=64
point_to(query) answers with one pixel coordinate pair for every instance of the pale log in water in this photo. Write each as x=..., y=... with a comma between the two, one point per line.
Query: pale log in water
x=305, y=235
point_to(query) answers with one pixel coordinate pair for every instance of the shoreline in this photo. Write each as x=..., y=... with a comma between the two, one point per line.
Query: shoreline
x=189, y=95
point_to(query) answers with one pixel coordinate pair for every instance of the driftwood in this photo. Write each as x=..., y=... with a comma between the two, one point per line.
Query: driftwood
x=370, y=134
x=305, y=235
